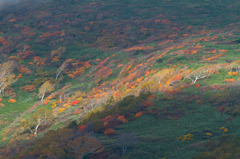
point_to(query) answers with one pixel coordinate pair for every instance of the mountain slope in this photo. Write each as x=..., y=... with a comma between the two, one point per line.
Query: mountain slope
x=160, y=70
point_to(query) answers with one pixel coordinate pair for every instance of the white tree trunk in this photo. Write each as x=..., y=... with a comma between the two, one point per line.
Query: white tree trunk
x=42, y=97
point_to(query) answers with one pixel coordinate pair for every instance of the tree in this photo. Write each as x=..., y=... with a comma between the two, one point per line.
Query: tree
x=58, y=52
x=6, y=75
x=60, y=69
x=40, y=118
x=234, y=66
x=200, y=73
x=84, y=145
x=126, y=140
x=46, y=87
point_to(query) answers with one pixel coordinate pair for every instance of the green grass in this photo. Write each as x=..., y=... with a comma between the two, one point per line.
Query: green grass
x=158, y=137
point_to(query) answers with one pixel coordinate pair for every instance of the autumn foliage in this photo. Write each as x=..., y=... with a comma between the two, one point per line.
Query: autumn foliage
x=12, y=100
x=75, y=102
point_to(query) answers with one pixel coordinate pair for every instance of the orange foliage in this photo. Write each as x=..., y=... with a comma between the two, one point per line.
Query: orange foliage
x=36, y=58
x=12, y=101
x=61, y=110
x=71, y=75
x=67, y=86
x=49, y=98
x=150, y=72
x=165, y=42
x=148, y=103
x=230, y=80
x=162, y=54
x=152, y=58
x=12, y=20
x=172, y=36
x=151, y=97
x=235, y=73
x=47, y=34
x=55, y=59
x=129, y=66
x=179, y=47
x=175, y=78
x=215, y=57
x=213, y=51
x=137, y=48
x=223, y=51
x=28, y=88
x=46, y=102
x=139, y=114
x=78, y=71
x=139, y=79
x=12, y=57
x=77, y=111
x=189, y=27
x=120, y=65
x=22, y=69
x=3, y=41
x=109, y=132
x=19, y=76
x=122, y=119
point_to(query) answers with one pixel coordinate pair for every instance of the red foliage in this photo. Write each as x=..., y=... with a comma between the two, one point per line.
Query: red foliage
x=151, y=97
x=230, y=118
x=23, y=69
x=75, y=102
x=148, y=103
x=109, y=132
x=106, y=71
x=197, y=85
x=76, y=112
x=46, y=102
x=220, y=109
x=122, y=119
x=82, y=127
x=47, y=34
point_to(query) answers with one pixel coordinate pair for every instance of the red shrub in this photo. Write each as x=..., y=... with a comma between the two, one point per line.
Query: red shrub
x=197, y=85
x=109, y=132
x=82, y=127
x=75, y=102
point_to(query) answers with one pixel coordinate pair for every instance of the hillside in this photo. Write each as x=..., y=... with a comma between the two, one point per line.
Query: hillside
x=119, y=79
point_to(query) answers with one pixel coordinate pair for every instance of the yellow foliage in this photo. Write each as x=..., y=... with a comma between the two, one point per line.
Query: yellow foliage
x=186, y=137
x=4, y=139
x=224, y=129
x=61, y=110
x=67, y=105
x=79, y=99
x=208, y=134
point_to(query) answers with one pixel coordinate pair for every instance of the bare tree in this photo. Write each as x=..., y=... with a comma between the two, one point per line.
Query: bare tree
x=126, y=140
x=201, y=73
x=84, y=145
x=60, y=69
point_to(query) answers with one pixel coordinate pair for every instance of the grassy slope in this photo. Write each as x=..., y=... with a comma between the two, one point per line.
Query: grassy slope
x=162, y=134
